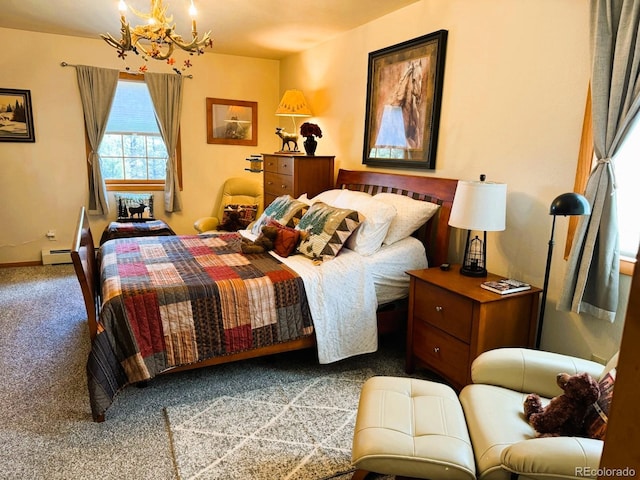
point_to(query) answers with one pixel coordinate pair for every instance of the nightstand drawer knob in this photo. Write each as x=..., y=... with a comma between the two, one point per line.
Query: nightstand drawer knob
x=439, y=308
x=436, y=349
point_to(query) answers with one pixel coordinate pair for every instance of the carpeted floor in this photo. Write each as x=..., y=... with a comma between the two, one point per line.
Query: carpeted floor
x=45, y=422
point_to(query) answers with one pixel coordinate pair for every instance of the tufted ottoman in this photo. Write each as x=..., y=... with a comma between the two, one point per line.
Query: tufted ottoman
x=413, y=428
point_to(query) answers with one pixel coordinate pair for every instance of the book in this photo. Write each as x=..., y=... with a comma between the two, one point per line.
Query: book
x=508, y=285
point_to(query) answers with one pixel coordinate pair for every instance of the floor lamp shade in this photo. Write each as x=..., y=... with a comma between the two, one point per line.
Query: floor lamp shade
x=480, y=206
x=566, y=204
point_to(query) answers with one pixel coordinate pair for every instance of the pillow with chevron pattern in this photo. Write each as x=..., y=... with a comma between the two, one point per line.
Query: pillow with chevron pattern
x=325, y=229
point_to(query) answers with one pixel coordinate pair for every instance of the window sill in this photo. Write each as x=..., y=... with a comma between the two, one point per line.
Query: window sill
x=134, y=187
x=627, y=265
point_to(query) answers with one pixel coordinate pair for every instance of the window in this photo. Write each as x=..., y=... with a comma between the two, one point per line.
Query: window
x=133, y=154
x=627, y=173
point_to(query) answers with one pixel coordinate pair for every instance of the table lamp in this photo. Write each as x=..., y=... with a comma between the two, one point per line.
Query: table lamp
x=479, y=206
x=293, y=104
x=566, y=204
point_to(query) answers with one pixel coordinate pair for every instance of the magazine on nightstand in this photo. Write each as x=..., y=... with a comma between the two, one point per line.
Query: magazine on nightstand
x=508, y=285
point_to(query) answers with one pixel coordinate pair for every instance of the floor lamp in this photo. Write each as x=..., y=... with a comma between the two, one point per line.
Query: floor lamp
x=566, y=204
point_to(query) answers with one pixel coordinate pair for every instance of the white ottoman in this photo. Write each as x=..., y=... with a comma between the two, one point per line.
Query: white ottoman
x=413, y=428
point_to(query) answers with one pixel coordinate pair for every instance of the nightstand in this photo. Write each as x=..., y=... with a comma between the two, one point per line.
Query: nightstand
x=452, y=320
x=295, y=175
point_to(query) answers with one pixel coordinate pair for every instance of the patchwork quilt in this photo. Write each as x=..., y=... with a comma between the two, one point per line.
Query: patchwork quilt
x=175, y=300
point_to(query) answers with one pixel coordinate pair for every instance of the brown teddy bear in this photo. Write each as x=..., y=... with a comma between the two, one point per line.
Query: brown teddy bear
x=265, y=241
x=565, y=414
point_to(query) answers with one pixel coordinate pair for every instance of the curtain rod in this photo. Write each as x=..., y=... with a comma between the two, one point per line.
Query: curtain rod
x=65, y=64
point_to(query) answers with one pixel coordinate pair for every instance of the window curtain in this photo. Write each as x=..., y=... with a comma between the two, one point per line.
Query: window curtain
x=97, y=88
x=166, y=93
x=592, y=275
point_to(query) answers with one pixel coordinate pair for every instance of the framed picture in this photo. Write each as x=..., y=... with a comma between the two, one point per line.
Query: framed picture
x=232, y=122
x=16, y=116
x=404, y=93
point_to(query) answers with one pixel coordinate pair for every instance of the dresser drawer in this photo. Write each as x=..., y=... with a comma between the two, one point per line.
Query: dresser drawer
x=446, y=354
x=271, y=164
x=285, y=165
x=449, y=312
x=278, y=184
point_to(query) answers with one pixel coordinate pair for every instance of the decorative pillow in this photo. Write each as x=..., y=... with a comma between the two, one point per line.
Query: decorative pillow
x=134, y=207
x=367, y=239
x=411, y=215
x=285, y=209
x=598, y=414
x=236, y=216
x=286, y=240
x=325, y=229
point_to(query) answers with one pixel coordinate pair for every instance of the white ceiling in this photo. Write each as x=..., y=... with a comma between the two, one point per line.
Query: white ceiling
x=257, y=28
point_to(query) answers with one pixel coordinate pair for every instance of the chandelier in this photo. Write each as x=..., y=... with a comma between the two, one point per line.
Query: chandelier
x=157, y=38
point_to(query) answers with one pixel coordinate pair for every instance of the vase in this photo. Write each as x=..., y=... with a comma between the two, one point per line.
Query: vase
x=310, y=145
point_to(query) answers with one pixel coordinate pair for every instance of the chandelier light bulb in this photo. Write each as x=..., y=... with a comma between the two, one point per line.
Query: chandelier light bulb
x=192, y=11
x=122, y=7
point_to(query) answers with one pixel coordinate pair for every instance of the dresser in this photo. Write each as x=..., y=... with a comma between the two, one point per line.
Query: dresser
x=452, y=320
x=296, y=174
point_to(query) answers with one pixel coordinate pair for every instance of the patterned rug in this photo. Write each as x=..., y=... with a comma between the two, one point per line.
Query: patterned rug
x=301, y=430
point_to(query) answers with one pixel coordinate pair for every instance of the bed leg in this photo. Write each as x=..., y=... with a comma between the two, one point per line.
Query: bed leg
x=98, y=418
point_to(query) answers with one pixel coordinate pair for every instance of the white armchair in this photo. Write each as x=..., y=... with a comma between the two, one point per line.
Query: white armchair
x=503, y=441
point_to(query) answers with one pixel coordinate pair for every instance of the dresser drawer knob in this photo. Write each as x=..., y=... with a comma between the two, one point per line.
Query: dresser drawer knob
x=436, y=349
x=283, y=186
x=439, y=308
x=269, y=183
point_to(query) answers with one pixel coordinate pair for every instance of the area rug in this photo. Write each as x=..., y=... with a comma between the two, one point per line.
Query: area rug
x=300, y=430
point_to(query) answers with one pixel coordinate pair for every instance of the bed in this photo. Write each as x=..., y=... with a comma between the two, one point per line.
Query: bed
x=303, y=311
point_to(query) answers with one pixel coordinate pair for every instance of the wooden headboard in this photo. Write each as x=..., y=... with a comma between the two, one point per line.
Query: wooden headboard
x=436, y=233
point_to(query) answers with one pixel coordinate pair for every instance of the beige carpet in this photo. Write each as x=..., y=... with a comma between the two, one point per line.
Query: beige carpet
x=300, y=430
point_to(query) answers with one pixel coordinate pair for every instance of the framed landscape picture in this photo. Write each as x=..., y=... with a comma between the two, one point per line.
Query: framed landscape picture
x=404, y=93
x=16, y=116
x=232, y=122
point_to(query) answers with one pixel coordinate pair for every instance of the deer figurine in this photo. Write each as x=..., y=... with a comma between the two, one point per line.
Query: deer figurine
x=287, y=138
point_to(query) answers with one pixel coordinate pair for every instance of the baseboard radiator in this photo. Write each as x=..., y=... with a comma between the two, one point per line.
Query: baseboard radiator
x=55, y=257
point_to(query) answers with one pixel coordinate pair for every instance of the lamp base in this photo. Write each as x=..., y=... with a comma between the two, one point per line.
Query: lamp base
x=473, y=272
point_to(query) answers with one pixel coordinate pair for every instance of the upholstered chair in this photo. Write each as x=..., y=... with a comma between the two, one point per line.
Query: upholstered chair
x=235, y=191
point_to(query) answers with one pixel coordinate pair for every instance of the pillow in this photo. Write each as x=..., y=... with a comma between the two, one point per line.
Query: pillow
x=328, y=196
x=284, y=209
x=236, y=216
x=286, y=240
x=367, y=239
x=134, y=207
x=325, y=229
x=411, y=215
x=598, y=414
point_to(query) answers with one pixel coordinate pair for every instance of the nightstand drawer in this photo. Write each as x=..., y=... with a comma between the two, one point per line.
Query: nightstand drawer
x=449, y=312
x=278, y=184
x=443, y=352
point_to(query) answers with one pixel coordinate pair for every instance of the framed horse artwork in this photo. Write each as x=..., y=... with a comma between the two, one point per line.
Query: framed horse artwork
x=404, y=94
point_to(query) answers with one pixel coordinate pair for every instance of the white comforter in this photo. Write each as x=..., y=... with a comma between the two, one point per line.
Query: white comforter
x=342, y=300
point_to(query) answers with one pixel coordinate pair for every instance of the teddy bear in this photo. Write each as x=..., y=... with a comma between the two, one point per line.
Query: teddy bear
x=565, y=414
x=264, y=242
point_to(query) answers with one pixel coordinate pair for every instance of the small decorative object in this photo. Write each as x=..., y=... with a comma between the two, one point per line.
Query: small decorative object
x=287, y=138
x=309, y=131
x=255, y=163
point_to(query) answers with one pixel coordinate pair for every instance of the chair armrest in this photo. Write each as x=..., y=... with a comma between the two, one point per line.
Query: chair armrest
x=562, y=457
x=528, y=371
x=206, y=224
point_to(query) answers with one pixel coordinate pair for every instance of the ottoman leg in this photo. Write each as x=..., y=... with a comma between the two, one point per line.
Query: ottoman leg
x=360, y=475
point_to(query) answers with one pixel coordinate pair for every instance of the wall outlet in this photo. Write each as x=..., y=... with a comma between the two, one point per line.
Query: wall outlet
x=51, y=234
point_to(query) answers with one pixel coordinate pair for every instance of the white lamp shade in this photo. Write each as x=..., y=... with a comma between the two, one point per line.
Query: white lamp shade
x=479, y=206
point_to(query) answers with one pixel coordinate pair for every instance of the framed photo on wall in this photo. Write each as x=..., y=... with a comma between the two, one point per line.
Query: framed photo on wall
x=16, y=116
x=404, y=94
x=232, y=122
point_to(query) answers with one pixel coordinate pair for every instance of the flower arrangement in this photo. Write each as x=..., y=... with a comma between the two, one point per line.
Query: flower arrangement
x=310, y=130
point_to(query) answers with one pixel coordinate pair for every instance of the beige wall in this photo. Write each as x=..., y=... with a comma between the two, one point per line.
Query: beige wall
x=43, y=184
x=515, y=85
